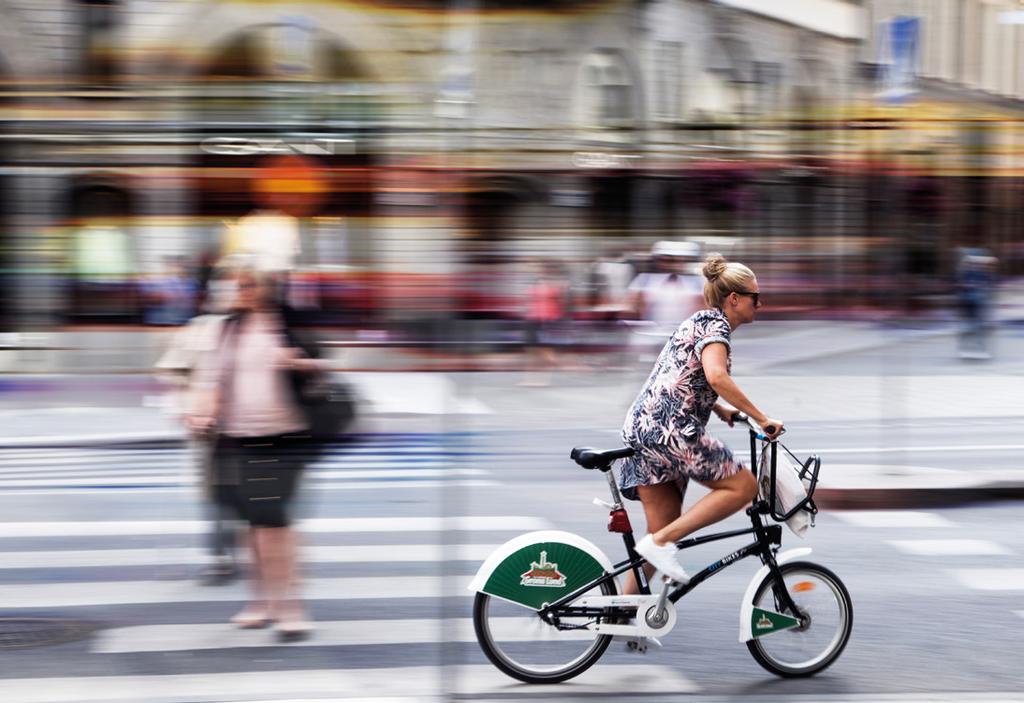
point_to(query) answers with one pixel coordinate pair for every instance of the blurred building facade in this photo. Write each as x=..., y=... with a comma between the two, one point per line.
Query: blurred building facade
x=425, y=149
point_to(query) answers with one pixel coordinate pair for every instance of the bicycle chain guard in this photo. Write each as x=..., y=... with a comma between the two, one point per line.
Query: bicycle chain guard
x=645, y=624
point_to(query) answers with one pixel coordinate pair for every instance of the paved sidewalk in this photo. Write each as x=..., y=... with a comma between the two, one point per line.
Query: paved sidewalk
x=767, y=344
x=64, y=397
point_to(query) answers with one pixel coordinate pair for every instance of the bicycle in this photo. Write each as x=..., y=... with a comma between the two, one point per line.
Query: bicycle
x=547, y=603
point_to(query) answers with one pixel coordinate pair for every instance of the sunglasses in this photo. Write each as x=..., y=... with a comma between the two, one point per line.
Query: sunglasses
x=755, y=296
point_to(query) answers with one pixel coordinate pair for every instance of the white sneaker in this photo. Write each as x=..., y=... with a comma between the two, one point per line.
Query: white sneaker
x=662, y=558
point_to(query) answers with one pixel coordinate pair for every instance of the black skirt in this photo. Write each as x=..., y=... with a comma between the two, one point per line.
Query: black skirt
x=262, y=476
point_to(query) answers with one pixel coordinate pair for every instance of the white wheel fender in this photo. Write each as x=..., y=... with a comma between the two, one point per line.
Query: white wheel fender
x=576, y=566
x=747, y=607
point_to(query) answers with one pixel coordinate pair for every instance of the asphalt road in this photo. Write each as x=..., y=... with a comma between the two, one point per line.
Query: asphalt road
x=936, y=593
x=112, y=539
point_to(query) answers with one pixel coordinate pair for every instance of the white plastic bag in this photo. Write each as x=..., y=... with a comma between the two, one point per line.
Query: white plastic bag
x=789, y=489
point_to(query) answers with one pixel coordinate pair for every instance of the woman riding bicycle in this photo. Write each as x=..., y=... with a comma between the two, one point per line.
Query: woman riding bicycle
x=665, y=424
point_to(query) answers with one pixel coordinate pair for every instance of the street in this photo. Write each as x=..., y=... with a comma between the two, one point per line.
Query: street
x=104, y=541
x=397, y=524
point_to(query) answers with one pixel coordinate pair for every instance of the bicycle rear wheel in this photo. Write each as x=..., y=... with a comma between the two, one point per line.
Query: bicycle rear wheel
x=522, y=645
x=825, y=605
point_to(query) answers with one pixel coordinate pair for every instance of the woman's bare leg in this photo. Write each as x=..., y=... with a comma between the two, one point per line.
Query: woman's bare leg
x=727, y=496
x=256, y=610
x=279, y=560
x=662, y=504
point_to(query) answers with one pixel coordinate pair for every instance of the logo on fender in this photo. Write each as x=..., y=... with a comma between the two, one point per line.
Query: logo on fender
x=543, y=573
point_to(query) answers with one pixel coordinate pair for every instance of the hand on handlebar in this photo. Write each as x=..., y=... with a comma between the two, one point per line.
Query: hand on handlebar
x=772, y=428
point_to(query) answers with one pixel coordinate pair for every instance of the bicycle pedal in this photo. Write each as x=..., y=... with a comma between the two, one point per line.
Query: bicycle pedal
x=636, y=645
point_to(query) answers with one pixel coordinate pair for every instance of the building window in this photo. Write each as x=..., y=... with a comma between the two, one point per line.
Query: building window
x=99, y=23
x=668, y=76
x=608, y=90
x=768, y=79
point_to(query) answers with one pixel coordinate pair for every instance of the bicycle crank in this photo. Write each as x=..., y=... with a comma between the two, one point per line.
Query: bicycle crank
x=655, y=616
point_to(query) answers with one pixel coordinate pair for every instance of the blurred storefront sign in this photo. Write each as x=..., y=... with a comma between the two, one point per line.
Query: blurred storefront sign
x=230, y=146
x=298, y=175
x=597, y=159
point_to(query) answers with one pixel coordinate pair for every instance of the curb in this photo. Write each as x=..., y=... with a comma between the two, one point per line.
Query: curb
x=904, y=498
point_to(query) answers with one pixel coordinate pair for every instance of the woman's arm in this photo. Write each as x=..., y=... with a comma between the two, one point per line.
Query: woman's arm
x=714, y=359
x=204, y=393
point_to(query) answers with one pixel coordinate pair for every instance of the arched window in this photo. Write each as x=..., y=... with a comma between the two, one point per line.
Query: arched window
x=719, y=87
x=607, y=90
x=101, y=256
x=282, y=73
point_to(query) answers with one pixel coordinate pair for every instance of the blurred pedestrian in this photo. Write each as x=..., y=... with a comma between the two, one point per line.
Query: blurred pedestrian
x=666, y=423
x=975, y=284
x=170, y=295
x=670, y=292
x=201, y=336
x=612, y=276
x=250, y=404
x=547, y=304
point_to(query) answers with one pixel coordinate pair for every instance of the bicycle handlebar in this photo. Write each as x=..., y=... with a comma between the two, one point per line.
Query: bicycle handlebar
x=743, y=417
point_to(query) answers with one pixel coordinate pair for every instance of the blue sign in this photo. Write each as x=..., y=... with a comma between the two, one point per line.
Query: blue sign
x=899, y=54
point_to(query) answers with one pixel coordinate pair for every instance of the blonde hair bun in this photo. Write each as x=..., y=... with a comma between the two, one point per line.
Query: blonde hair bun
x=714, y=266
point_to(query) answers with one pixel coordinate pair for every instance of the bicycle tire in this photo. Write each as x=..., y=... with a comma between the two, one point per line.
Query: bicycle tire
x=528, y=673
x=766, y=650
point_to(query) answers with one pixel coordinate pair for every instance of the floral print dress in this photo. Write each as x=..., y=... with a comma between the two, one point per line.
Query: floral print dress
x=665, y=424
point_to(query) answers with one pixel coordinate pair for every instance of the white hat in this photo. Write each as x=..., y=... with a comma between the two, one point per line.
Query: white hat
x=669, y=248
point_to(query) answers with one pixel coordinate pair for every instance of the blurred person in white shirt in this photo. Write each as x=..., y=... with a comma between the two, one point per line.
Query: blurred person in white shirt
x=674, y=290
x=177, y=366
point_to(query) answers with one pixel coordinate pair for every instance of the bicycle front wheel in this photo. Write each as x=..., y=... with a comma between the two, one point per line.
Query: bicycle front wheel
x=522, y=645
x=826, y=609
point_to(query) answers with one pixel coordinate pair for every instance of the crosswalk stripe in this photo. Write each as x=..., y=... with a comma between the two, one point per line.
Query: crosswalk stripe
x=892, y=518
x=317, y=554
x=11, y=457
x=127, y=489
x=8, y=465
x=95, y=593
x=418, y=683
x=124, y=463
x=949, y=547
x=991, y=579
x=338, y=633
x=113, y=528
x=377, y=458
x=175, y=479
x=178, y=468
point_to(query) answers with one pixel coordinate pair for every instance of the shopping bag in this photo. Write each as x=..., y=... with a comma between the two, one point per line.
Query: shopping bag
x=790, y=489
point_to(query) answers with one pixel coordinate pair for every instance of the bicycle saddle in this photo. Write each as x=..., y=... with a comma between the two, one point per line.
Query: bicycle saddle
x=590, y=458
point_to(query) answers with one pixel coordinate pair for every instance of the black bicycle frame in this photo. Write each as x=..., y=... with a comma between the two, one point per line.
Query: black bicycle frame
x=767, y=540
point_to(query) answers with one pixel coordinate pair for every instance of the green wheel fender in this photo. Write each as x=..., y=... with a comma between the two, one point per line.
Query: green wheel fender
x=540, y=567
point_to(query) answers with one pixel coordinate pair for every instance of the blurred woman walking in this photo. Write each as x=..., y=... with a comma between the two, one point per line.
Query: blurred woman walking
x=250, y=403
